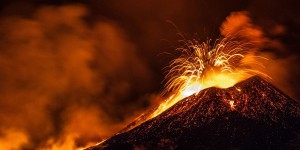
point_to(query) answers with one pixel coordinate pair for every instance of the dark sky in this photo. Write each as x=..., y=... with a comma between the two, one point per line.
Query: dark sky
x=106, y=59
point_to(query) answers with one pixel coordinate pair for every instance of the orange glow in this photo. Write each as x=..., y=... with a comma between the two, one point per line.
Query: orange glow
x=68, y=143
x=203, y=66
x=232, y=105
x=12, y=140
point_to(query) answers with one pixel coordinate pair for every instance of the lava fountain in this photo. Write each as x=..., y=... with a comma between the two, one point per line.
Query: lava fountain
x=203, y=65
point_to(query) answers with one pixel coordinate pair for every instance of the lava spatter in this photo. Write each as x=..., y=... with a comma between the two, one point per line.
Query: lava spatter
x=263, y=118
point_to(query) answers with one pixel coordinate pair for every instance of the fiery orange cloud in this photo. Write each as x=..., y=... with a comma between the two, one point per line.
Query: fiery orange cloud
x=66, y=81
x=60, y=79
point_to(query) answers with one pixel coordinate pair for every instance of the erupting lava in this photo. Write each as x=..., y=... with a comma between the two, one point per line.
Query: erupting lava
x=201, y=66
x=216, y=99
x=253, y=114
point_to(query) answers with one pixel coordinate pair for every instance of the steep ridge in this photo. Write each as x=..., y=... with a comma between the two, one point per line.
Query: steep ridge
x=253, y=114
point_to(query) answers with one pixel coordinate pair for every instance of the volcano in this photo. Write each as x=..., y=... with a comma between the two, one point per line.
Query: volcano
x=253, y=114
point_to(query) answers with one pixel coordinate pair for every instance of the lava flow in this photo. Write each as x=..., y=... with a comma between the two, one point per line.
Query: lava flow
x=252, y=114
x=216, y=99
x=215, y=103
x=201, y=66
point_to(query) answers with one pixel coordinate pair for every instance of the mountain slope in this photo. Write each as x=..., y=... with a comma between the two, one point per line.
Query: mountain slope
x=251, y=115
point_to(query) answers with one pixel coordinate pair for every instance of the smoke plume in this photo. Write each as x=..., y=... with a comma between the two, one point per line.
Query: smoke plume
x=63, y=81
x=72, y=73
x=241, y=25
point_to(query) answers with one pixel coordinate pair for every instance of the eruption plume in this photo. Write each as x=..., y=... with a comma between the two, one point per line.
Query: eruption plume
x=218, y=99
x=222, y=64
x=74, y=73
x=201, y=66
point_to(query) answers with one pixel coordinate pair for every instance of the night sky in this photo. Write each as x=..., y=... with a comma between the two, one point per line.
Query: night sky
x=89, y=67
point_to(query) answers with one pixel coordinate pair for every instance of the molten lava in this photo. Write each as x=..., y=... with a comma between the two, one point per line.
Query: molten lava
x=201, y=66
x=232, y=105
x=253, y=114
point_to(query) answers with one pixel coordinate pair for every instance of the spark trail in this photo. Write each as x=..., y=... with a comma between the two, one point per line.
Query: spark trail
x=203, y=65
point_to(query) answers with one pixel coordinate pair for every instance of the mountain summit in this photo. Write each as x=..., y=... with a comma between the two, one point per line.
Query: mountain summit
x=253, y=114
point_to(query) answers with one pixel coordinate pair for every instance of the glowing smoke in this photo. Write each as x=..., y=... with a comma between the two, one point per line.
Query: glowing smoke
x=65, y=80
x=280, y=69
x=60, y=79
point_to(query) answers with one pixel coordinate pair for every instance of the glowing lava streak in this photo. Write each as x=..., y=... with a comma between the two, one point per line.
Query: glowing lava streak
x=232, y=105
x=201, y=66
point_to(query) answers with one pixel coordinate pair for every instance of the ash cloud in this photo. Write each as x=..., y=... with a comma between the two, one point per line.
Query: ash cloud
x=66, y=67
x=239, y=24
x=267, y=43
x=64, y=81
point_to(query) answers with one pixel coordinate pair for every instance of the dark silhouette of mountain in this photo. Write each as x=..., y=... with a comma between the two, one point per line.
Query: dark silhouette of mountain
x=253, y=114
